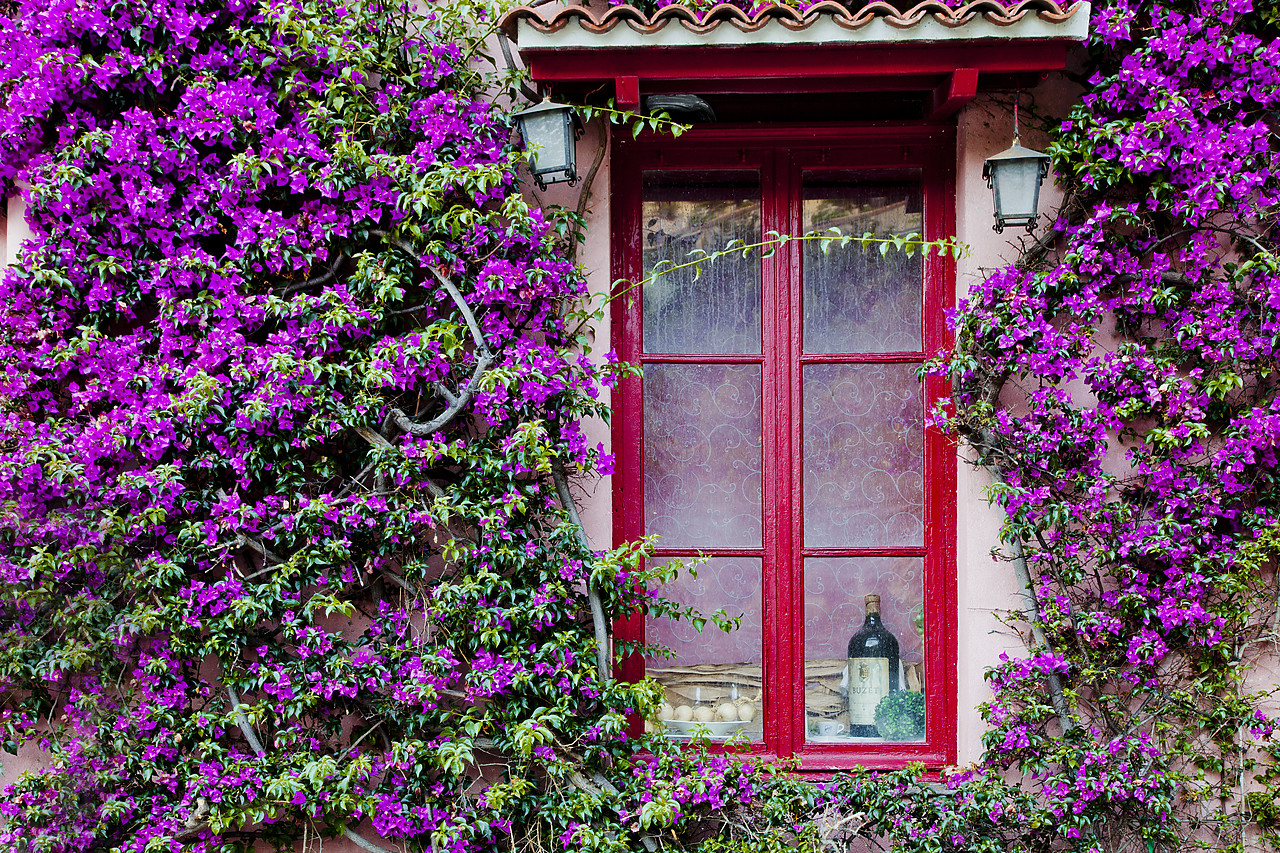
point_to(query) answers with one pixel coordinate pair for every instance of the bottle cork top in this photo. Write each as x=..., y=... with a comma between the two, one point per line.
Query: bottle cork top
x=873, y=603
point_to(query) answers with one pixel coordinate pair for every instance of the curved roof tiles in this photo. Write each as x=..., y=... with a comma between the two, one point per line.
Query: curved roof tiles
x=708, y=26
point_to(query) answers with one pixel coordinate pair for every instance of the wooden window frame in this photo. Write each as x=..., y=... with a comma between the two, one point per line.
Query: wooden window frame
x=781, y=154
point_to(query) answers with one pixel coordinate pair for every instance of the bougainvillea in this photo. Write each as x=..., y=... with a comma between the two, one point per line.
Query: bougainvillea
x=291, y=372
x=292, y=392
x=1120, y=382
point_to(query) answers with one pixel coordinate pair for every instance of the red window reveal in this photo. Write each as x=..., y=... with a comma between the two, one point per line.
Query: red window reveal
x=780, y=432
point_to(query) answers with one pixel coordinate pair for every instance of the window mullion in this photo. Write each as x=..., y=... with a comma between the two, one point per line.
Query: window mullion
x=781, y=542
x=790, y=377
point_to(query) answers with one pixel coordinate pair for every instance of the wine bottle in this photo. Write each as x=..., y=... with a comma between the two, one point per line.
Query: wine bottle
x=873, y=670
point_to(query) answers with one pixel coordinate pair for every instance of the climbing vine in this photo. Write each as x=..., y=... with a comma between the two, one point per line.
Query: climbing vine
x=291, y=410
x=1119, y=382
x=292, y=399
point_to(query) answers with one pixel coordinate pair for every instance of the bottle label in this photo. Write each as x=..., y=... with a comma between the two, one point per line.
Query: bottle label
x=868, y=684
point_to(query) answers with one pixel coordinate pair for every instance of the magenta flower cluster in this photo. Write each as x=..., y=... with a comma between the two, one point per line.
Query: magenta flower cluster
x=285, y=369
x=1119, y=382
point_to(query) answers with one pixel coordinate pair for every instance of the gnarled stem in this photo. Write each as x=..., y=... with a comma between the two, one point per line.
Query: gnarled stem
x=403, y=423
x=598, y=620
x=485, y=359
x=379, y=441
x=251, y=736
x=584, y=197
x=986, y=445
x=268, y=556
x=1031, y=610
x=324, y=278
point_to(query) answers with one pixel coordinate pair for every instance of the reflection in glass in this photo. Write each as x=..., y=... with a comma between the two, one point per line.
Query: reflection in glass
x=835, y=590
x=715, y=677
x=702, y=463
x=863, y=456
x=714, y=308
x=855, y=299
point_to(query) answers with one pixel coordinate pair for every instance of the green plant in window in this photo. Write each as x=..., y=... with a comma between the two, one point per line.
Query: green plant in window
x=900, y=716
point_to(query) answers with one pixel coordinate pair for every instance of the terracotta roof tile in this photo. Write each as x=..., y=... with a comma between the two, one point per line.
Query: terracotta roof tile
x=704, y=21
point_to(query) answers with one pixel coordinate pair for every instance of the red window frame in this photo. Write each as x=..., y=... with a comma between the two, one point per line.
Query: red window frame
x=780, y=154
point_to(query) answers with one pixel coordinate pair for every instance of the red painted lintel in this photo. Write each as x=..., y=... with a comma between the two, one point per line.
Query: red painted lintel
x=791, y=63
x=956, y=91
x=788, y=85
x=627, y=92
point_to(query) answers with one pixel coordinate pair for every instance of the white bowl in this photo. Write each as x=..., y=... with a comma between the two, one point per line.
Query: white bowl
x=717, y=730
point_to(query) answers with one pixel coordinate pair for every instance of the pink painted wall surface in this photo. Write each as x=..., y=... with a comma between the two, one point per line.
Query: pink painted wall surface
x=986, y=587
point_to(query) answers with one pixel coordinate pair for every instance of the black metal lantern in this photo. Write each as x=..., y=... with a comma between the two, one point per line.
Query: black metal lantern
x=549, y=133
x=1015, y=177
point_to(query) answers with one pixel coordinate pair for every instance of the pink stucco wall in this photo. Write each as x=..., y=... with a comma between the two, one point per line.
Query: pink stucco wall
x=986, y=587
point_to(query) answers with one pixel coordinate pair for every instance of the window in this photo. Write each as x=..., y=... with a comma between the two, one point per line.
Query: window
x=779, y=429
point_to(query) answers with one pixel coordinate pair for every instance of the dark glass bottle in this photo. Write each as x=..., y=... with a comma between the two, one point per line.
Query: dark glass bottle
x=873, y=670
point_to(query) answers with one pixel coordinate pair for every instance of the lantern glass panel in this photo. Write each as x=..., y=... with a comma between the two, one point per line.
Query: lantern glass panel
x=1016, y=184
x=546, y=136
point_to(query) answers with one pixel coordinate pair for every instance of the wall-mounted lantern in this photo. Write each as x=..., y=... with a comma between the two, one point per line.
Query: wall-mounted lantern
x=549, y=133
x=1015, y=177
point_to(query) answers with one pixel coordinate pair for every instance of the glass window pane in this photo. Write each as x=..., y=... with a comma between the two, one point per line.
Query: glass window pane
x=702, y=463
x=713, y=308
x=855, y=299
x=863, y=456
x=872, y=695
x=715, y=677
